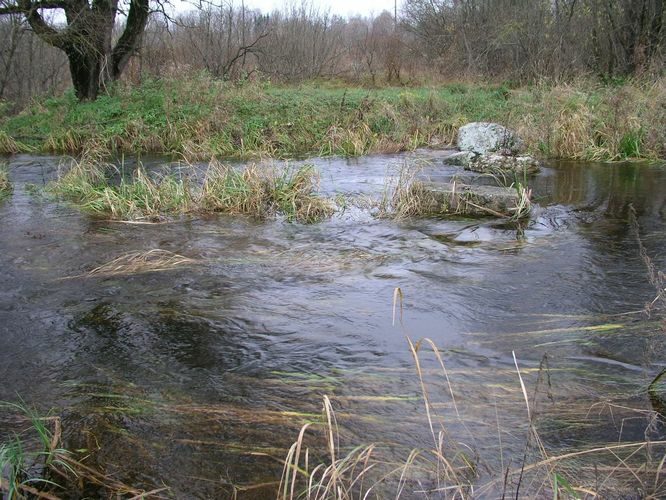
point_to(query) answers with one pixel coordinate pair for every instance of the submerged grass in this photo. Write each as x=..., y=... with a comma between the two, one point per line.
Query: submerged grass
x=453, y=468
x=33, y=464
x=199, y=117
x=132, y=263
x=254, y=191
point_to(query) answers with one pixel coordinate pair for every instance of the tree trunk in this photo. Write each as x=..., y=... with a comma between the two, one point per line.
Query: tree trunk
x=85, y=70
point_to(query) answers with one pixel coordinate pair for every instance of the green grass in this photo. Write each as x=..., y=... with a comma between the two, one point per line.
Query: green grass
x=199, y=117
x=26, y=459
x=256, y=192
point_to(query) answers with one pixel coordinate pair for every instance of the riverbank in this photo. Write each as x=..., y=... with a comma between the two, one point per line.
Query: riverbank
x=198, y=118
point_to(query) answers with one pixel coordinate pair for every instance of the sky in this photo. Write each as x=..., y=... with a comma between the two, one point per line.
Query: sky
x=339, y=7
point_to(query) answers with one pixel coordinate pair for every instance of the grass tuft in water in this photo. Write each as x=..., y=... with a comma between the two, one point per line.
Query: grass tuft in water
x=406, y=195
x=261, y=193
x=5, y=184
x=28, y=459
x=253, y=191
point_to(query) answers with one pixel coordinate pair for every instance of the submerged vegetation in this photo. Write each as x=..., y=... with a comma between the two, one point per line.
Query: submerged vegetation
x=254, y=191
x=200, y=117
x=452, y=467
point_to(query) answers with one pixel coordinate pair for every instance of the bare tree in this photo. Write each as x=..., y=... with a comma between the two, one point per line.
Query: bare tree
x=222, y=37
x=305, y=42
x=28, y=66
x=86, y=38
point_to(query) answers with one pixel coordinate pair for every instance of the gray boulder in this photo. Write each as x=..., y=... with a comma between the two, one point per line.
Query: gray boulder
x=482, y=138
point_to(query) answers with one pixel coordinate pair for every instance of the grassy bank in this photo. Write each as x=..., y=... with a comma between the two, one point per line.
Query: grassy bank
x=199, y=117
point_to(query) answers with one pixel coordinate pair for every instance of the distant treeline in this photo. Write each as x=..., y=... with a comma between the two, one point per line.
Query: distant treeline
x=431, y=40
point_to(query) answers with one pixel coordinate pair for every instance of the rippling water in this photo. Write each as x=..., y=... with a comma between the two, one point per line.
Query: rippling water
x=201, y=376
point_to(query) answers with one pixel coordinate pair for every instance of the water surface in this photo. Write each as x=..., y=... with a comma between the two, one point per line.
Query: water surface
x=200, y=377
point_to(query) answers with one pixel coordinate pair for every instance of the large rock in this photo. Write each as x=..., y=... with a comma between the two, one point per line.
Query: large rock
x=457, y=198
x=482, y=138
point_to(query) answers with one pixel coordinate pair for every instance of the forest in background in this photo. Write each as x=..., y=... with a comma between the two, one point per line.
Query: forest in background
x=429, y=41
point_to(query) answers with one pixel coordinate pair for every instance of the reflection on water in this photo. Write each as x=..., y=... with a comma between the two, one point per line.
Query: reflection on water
x=207, y=371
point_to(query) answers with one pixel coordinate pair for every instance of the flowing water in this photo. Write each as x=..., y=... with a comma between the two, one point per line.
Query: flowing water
x=199, y=377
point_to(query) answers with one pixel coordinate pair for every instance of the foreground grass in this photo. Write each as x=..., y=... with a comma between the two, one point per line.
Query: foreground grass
x=29, y=460
x=453, y=468
x=199, y=117
x=256, y=192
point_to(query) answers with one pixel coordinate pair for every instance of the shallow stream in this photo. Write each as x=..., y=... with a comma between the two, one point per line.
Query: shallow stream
x=199, y=377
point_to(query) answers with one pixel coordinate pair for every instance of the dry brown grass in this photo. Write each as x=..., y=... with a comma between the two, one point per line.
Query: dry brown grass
x=261, y=192
x=141, y=262
x=9, y=145
x=588, y=121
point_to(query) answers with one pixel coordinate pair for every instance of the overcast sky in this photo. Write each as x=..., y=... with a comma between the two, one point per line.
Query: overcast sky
x=340, y=7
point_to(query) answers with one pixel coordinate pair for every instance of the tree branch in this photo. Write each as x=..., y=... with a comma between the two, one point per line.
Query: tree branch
x=43, y=29
x=26, y=7
x=131, y=38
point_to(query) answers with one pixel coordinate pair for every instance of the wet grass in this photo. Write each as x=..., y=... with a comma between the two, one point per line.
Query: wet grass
x=198, y=117
x=28, y=460
x=405, y=194
x=253, y=191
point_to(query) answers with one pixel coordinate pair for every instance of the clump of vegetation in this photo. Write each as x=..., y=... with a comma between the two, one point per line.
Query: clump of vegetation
x=29, y=459
x=595, y=122
x=9, y=145
x=5, y=184
x=257, y=192
x=253, y=191
x=406, y=195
